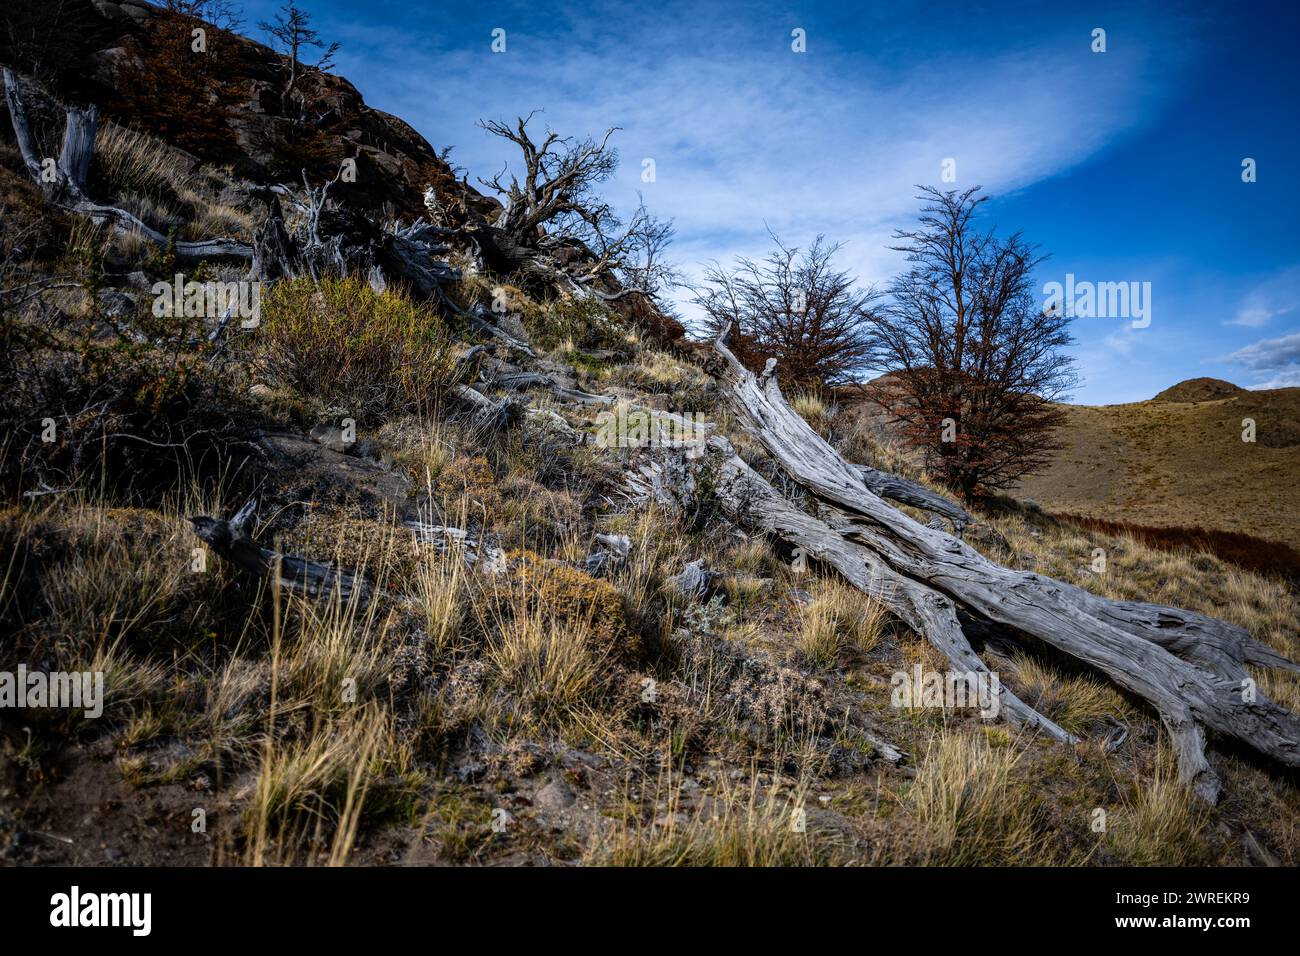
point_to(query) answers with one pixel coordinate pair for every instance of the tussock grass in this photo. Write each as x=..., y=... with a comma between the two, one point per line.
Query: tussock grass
x=443, y=596
x=1160, y=822
x=569, y=324
x=1076, y=703
x=839, y=617
x=311, y=792
x=753, y=827
x=688, y=387
x=128, y=161
x=811, y=406
x=163, y=186
x=551, y=668
x=965, y=794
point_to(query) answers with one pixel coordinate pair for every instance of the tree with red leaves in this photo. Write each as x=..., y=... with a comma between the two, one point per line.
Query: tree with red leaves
x=974, y=365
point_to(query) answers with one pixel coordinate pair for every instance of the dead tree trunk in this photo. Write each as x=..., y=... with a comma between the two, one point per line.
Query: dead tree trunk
x=1190, y=668
x=911, y=493
x=65, y=181
x=751, y=501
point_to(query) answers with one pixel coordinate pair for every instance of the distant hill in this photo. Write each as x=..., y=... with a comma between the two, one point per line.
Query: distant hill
x=1199, y=390
x=1179, y=460
x=1175, y=461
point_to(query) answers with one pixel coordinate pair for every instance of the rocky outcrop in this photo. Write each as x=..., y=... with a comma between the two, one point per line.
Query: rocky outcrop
x=395, y=162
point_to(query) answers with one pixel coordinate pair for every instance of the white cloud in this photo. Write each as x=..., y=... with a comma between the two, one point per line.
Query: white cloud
x=1268, y=354
x=1279, y=358
x=1276, y=296
x=1289, y=379
x=747, y=135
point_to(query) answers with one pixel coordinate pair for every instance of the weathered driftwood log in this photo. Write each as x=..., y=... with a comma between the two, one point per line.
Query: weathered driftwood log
x=336, y=241
x=65, y=181
x=478, y=319
x=474, y=551
x=751, y=501
x=1135, y=645
x=409, y=252
x=521, y=381
x=232, y=540
x=486, y=412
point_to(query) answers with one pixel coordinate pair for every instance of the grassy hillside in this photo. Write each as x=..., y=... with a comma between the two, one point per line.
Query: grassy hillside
x=535, y=688
x=1178, y=461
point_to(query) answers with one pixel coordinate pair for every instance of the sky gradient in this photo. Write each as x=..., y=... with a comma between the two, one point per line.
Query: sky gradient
x=1123, y=166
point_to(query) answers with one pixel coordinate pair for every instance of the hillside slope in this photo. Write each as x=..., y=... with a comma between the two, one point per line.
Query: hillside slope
x=528, y=663
x=1172, y=462
x=122, y=57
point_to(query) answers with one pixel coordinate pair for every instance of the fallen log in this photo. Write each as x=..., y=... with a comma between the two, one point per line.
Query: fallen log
x=1188, y=667
x=232, y=541
x=486, y=412
x=915, y=494
x=522, y=381
x=476, y=317
x=750, y=500
x=475, y=552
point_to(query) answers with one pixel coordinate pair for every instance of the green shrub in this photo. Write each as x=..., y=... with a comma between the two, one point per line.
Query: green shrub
x=581, y=323
x=376, y=354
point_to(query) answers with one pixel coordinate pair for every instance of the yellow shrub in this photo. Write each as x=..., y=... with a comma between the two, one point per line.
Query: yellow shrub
x=375, y=354
x=565, y=597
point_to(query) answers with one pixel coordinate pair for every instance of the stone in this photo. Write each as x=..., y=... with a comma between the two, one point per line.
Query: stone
x=555, y=796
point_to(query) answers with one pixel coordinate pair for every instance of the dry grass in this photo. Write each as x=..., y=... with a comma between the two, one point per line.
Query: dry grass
x=443, y=593
x=1079, y=704
x=1160, y=822
x=1181, y=464
x=811, y=407
x=733, y=828
x=1265, y=606
x=127, y=161
x=551, y=669
x=688, y=387
x=309, y=793
x=966, y=796
x=839, y=617
x=753, y=556
x=163, y=187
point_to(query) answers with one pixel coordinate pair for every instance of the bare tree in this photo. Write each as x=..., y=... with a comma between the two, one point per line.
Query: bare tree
x=556, y=187
x=553, y=203
x=974, y=365
x=65, y=183
x=293, y=36
x=795, y=307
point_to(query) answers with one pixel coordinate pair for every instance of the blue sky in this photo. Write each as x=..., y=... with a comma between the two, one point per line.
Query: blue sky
x=1124, y=166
